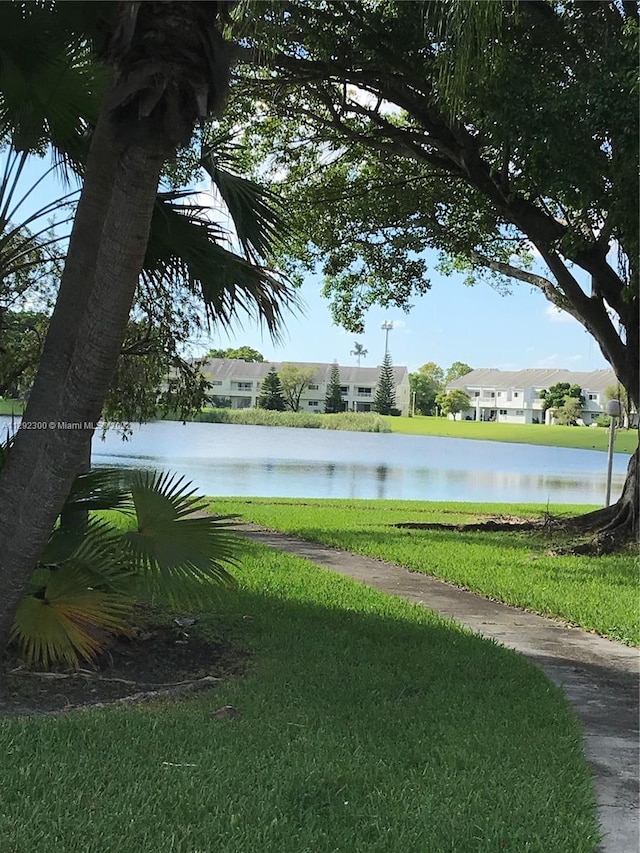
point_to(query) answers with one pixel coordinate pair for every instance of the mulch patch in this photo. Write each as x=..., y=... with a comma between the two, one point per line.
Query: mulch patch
x=161, y=661
x=493, y=523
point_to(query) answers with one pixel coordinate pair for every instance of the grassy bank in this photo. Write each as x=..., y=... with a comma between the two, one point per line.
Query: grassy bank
x=586, y=438
x=11, y=407
x=368, y=726
x=597, y=593
x=556, y=436
x=349, y=421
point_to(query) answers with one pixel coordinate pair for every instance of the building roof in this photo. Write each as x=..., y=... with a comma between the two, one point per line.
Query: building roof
x=487, y=377
x=233, y=368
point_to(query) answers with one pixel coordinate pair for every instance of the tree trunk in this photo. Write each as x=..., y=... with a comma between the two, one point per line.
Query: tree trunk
x=149, y=109
x=77, y=520
x=618, y=523
x=87, y=329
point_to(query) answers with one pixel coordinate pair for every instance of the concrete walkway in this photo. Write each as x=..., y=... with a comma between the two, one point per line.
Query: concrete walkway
x=598, y=676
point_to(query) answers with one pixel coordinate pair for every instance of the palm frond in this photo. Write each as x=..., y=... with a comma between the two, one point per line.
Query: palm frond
x=258, y=221
x=178, y=554
x=49, y=87
x=96, y=547
x=184, y=245
x=105, y=488
x=69, y=620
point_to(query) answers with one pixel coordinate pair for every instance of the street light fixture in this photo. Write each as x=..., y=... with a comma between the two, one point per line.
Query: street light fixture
x=614, y=411
x=387, y=326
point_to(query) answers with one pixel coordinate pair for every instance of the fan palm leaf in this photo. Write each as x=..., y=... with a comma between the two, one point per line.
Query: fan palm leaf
x=177, y=551
x=72, y=622
x=258, y=221
x=184, y=245
x=79, y=606
x=105, y=488
x=49, y=82
x=97, y=547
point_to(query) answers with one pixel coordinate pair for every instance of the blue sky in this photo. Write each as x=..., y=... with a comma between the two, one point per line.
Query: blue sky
x=452, y=322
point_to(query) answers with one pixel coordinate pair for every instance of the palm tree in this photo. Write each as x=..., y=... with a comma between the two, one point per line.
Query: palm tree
x=85, y=584
x=149, y=106
x=359, y=351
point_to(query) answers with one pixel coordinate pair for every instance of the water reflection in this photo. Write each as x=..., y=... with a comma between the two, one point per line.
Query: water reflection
x=222, y=459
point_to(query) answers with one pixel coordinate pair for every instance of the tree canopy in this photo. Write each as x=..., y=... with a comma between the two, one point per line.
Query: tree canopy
x=505, y=139
x=426, y=383
x=453, y=402
x=244, y=353
x=457, y=369
x=555, y=395
x=294, y=380
x=569, y=412
x=502, y=135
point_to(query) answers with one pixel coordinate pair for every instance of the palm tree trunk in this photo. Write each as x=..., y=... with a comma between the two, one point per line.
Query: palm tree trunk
x=87, y=329
x=134, y=135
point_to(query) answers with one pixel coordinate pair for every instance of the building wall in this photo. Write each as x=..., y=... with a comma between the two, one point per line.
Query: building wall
x=241, y=380
x=514, y=396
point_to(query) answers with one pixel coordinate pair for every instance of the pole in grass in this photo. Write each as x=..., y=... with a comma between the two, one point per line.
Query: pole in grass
x=613, y=410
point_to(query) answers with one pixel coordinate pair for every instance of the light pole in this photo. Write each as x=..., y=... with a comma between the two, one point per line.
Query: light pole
x=386, y=327
x=613, y=410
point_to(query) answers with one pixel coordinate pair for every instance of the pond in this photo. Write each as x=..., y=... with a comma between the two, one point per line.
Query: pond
x=224, y=459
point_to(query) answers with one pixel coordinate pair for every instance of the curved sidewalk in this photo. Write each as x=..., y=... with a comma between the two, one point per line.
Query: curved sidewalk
x=598, y=676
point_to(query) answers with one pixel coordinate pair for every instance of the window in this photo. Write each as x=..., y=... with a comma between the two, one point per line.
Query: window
x=593, y=396
x=499, y=393
x=364, y=392
x=344, y=389
x=476, y=393
x=312, y=403
x=516, y=393
x=492, y=393
x=519, y=412
x=312, y=387
x=216, y=382
x=244, y=386
x=503, y=411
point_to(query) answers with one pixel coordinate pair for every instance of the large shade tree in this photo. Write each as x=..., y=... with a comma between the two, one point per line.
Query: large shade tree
x=159, y=68
x=504, y=135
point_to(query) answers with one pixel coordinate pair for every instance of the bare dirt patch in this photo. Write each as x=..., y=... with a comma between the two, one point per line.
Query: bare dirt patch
x=162, y=660
x=491, y=523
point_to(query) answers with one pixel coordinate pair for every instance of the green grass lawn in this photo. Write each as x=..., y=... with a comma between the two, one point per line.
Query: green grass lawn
x=597, y=593
x=586, y=438
x=11, y=407
x=368, y=726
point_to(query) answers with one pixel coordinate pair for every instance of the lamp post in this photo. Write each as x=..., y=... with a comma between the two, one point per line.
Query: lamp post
x=386, y=327
x=613, y=410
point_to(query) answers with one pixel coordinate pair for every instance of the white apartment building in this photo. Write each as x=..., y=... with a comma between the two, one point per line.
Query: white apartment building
x=514, y=396
x=240, y=381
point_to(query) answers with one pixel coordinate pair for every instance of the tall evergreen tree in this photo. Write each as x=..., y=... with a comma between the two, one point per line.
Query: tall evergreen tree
x=385, y=399
x=271, y=396
x=333, y=401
